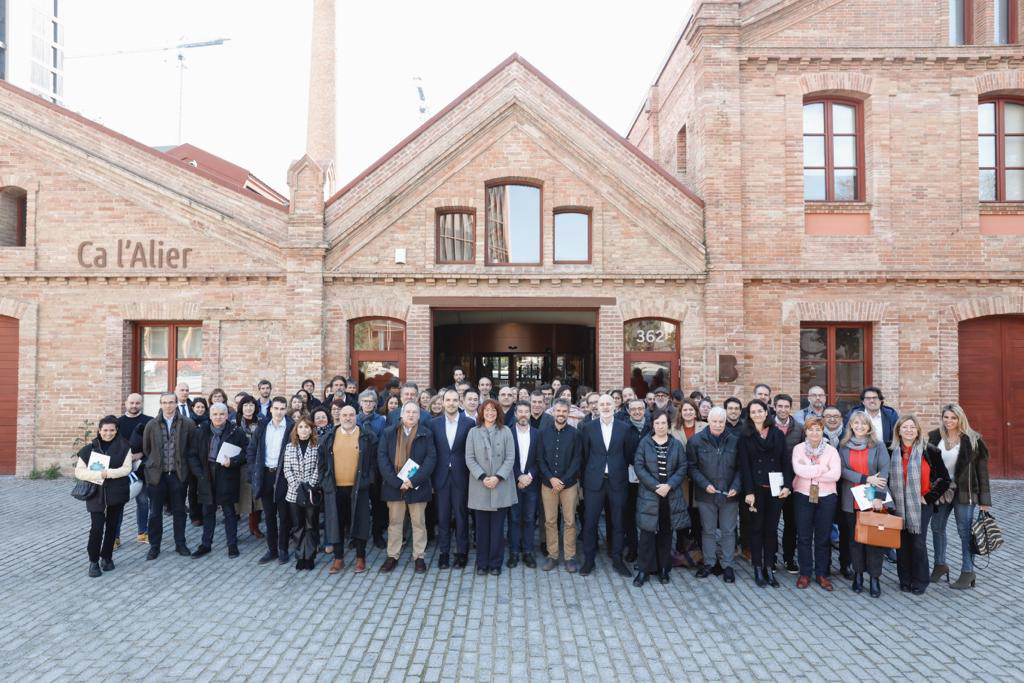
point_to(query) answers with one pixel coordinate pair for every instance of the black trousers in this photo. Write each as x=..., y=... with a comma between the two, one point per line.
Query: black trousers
x=306, y=523
x=788, y=530
x=845, y=537
x=276, y=514
x=343, y=502
x=762, y=526
x=865, y=557
x=490, y=539
x=596, y=499
x=195, y=508
x=912, y=556
x=378, y=510
x=169, y=491
x=654, y=549
x=103, y=531
x=629, y=536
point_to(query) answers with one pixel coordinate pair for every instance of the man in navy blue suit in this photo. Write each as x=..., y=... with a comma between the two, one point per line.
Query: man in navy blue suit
x=522, y=524
x=451, y=480
x=607, y=454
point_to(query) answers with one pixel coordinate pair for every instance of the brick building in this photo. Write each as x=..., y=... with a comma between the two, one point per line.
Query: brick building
x=814, y=191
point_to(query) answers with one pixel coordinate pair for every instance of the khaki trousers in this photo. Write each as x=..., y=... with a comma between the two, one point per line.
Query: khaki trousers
x=567, y=499
x=396, y=523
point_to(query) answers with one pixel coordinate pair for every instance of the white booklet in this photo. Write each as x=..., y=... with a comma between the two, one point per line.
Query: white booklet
x=409, y=470
x=226, y=452
x=864, y=494
x=775, y=482
x=98, y=462
x=632, y=476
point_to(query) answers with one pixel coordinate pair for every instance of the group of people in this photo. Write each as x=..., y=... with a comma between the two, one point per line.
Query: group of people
x=680, y=481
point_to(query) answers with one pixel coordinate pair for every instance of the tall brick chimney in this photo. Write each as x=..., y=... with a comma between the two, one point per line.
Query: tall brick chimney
x=320, y=121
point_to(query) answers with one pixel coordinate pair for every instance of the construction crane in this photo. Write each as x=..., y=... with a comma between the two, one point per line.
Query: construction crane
x=180, y=47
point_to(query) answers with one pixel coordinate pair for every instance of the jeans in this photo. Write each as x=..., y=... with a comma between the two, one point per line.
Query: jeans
x=171, y=491
x=102, y=531
x=522, y=521
x=964, y=519
x=490, y=538
x=912, y=556
x=210, y=523
x=813, y=532
x=141, y=509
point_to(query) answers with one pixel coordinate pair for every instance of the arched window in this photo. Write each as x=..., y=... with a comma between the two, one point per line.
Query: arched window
x=1001, y=150
x=13, y=216
x=652, y=354
x=378, y=351
x=833, y=150
x=572, y=234
x=456, y=235
x=513, y=219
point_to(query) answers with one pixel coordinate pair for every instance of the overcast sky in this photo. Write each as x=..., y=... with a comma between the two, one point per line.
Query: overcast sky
x=246, y=101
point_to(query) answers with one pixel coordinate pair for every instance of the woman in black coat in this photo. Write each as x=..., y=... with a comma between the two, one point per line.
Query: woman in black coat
x=347, y=505
x=761, y=450
x=106, y=505
x=660, y=465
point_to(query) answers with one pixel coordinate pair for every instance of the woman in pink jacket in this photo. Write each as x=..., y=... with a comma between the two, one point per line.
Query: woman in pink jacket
x=816, y=469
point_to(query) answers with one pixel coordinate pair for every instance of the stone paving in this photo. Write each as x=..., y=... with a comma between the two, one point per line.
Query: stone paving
x=218, y=619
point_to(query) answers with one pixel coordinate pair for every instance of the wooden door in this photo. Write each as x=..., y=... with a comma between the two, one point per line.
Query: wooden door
x=9, y=390
x=992, y=387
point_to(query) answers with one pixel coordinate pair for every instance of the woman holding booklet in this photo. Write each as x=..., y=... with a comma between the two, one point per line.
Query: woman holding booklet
x=490, y=455
x=865, y=461
x=106, y=463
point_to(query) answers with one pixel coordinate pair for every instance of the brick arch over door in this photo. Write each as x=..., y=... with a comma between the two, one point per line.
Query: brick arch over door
x=697, y=371
x=20, y=320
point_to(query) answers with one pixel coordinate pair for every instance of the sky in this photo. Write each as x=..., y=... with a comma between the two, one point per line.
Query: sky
x=246, y=100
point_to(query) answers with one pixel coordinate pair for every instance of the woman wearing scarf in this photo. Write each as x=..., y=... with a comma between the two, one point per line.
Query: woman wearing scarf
x=816, y=469
x=302, y=466
x=762, y=450
x=490, y=456
x=106, y=505
x=322, y=422
x=865, y=461
x=247, y=417
x=917, y=479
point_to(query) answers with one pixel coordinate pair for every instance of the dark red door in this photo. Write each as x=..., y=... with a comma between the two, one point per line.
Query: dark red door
x=992, y=387
x=8, y=388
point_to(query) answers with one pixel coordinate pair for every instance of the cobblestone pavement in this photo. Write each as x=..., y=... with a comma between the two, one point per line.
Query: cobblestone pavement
x=230, y=619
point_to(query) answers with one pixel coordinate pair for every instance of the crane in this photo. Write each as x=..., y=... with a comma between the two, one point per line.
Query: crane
x=180, y=47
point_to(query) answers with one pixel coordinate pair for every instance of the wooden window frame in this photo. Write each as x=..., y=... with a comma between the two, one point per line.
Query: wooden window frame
x=363, y=356
x=968, y=10
x=1012, y=19
x=1000, y=137
x=515, y=180
x=445, y=211
x=589, y=212
x=858, y=118
x=671, y=357
x=832, y=393
x=172, y=350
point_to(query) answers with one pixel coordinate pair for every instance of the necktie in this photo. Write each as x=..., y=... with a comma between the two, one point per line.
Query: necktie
x=183, y=410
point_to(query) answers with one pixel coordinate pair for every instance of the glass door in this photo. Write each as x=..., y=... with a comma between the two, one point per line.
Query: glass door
x=531, y=369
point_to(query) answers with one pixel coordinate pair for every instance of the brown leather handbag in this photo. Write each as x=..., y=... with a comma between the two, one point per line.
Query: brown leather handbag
x=878, y=529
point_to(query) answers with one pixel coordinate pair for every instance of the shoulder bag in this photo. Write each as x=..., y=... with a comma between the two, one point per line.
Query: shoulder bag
x=84, y=490
x=985, y=534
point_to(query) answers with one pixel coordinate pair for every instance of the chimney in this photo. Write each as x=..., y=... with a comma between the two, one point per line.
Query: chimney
x=320, y=121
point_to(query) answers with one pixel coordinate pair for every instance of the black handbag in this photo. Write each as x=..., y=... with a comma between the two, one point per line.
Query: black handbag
x=84, y=490
x=309, y=496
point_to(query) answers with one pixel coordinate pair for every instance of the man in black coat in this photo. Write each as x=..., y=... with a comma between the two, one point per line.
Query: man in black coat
x=451, y=480
x=265, y=456
x=400, y=443
x=608, y=450
x=221, y=476
x=522, y=523
x=129, y=428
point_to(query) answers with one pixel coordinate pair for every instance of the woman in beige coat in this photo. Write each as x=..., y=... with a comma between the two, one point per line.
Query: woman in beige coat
x=490, y=455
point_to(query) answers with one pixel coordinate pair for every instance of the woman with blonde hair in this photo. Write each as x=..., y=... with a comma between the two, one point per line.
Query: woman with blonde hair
x=965, y=456
x=917, y=479
x=865, y=461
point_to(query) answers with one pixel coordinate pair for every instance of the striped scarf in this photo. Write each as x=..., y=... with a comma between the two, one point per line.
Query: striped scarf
x=907, y=496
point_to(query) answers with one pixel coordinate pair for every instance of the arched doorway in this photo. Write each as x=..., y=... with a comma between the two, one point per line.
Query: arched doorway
x=992, y=387
x=9, y=389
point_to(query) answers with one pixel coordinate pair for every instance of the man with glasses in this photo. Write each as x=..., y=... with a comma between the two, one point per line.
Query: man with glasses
x=815, y=405
x=883, y=418
x=370, y=420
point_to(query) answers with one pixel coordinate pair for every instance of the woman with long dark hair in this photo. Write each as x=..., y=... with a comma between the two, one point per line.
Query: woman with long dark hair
x=302, y=469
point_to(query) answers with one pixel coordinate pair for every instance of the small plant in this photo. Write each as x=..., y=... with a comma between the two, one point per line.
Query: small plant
x=51, y=472
x=85, y=436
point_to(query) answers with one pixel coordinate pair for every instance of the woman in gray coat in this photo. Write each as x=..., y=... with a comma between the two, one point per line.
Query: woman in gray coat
x=660, y=465
x=490, y=454
x=865, y=461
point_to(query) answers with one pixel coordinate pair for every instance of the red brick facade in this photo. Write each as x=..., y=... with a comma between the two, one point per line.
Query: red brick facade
x=709, y=230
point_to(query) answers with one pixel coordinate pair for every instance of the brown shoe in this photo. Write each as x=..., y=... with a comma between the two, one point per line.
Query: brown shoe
x=803, y=582
x=825, y=583
x=254, y=525
x=746, y=554
x=421, y=566
x=360, y=565
x=389, y=564
x=336, y=566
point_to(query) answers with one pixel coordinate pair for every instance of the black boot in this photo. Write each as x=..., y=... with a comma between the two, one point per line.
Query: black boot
x=769, y=576
x=858, y=583
x=663, y=576
x=513, y=560
x=759, y=577
x=874, y=587
x=640, y=580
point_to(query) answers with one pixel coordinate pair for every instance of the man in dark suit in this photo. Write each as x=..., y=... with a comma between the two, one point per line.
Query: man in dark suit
x=451, y=480
x=522, y=525
x=265, y=456
x=184, y=408
x=607, y=454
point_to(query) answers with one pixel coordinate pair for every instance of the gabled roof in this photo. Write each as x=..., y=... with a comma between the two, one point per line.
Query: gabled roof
x=78, y=118
x=515, y=58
